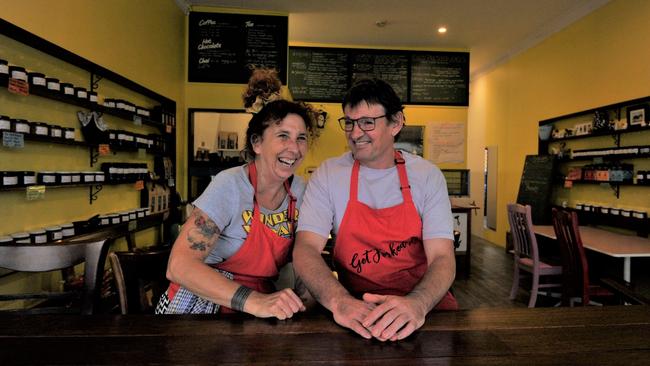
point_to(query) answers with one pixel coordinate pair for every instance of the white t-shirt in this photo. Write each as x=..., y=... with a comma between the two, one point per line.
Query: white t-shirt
x=228, y=201
x=328, y=192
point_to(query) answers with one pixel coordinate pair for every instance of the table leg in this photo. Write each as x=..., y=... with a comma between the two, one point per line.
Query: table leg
x=627, y=264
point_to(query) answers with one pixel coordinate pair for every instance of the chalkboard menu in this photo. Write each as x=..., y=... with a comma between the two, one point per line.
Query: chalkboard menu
x=434, y=78
x=393, y=68
x=535, y=187
x=318, y=74
x=440, y=78
x=223, y=47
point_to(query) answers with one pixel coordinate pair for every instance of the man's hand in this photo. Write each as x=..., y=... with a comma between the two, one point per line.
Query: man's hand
x=350, y=313
x=394, y=317
x=281, y=304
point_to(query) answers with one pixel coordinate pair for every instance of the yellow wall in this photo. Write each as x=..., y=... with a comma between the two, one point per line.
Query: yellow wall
x=599, y=60
x=140, y=40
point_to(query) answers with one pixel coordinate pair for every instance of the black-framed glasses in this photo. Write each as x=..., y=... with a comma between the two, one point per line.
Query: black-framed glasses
x=364, y=123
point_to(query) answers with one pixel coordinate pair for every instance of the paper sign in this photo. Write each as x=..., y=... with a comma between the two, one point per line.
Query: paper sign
x=139, y=185
x=104, y=149
x=137, y=120
x=35, y=193
x=13, y=139
x=18, y=87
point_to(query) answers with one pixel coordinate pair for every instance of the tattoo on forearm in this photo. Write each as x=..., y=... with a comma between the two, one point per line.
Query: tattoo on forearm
x=203, y=235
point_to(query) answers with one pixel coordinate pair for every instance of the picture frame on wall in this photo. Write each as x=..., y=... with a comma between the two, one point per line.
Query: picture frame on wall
x=411, y=139
x=637, y=115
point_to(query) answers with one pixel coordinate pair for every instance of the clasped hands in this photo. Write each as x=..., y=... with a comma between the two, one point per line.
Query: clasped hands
x=384, y=317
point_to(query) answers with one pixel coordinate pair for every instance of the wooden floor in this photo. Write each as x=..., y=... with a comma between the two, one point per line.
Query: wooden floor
x=491, y=278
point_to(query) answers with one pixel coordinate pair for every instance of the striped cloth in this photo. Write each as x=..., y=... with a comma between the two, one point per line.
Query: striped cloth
x=186, y=302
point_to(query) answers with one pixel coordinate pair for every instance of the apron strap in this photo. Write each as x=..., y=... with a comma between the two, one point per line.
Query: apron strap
x=404, y=185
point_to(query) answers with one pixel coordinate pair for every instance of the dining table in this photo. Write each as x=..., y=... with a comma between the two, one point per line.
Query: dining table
x=607, y=242
x=616, y=335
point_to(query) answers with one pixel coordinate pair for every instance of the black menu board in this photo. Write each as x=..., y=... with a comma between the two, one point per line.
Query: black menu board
x=223, y=47
x=440, y=78
x=392, y=67
x=536, y=186
x=418, y=77
x=318, y=74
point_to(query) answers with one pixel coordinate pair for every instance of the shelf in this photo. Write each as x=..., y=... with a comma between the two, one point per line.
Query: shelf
x=615, y=106
x=613, y=133
x=605, y=157
x=94, y=187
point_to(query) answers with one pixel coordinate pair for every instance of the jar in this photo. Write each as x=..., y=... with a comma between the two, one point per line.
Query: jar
x=109, y=103
x=100, y=177
x=639, y=215
x=18, y=72
x=133, y=214
x=38, y=236
x=65, y=177
x=9, y=179
x=147, y=211
x=124, y=216
x=129, y=106
x=141, y=212
x=53, y=84
x=21, y=238
x=626, y=213
x=141, y=111
x=5, y=123
x=75, y=177
x=28, y=178
x=36, y=80
x=68, y=133
x=579, y=206
x=88, y=177
x=115, y=219
x=21, y=126
x=615, y=211
x=48, y=178
x=92, y=97
x=586, y=208
x=56, y=131
x=40, y=129
x=4, y=70
x=54, y=233
x=604, y=210
x=119, y=104
x=67, y=88
x=81, y=93
x=6, y=240
x=67, y=230
x=104, y=220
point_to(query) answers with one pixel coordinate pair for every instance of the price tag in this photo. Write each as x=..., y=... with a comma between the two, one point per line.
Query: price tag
x=35, y=193
x=137, y=120
x=104, y=149
x=18, y=87
x=13, y=139
x=133, y=225
x=568, y=183
x=139, y=185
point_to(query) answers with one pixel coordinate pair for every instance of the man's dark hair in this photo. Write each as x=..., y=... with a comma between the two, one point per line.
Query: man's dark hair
x=373, y=91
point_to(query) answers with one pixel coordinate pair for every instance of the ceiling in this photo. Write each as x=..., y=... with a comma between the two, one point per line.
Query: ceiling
x=492, y=31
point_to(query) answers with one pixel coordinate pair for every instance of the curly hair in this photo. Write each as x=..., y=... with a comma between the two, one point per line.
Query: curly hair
x=263, y=83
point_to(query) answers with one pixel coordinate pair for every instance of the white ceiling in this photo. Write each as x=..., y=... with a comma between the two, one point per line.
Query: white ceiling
x=491, y=30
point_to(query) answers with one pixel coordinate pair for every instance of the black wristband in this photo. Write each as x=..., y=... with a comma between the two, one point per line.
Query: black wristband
x=239, y=298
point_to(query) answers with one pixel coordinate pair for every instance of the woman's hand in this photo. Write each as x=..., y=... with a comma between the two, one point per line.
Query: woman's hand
x=281, y=304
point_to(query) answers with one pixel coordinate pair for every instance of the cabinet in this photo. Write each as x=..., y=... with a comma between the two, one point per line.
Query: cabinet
x=603, y=161
x=146, y=118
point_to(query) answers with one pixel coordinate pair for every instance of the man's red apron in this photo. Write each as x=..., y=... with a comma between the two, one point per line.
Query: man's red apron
x=381, y=250
x=257, y=262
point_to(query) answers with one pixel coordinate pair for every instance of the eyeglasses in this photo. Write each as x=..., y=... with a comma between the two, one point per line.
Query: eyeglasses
x=364, y=123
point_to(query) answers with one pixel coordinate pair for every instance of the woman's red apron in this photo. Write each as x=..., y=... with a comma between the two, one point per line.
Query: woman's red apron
x=381, y=250
x=257, y=262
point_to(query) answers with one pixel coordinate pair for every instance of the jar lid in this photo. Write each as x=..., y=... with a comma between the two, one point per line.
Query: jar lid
x=17, y=68
x=28, y=172
x=4, y=62
x=55, y=126
x=20, y=120
x=53, y=228
x=66, y=84
x=46, y=172
x=5, y=117
x=37, y=232
x=66, y=226
x=22, y=235
x=36, y=74
x=80, y=88
x=52, y=80
x=6, y=239
x=68, y=128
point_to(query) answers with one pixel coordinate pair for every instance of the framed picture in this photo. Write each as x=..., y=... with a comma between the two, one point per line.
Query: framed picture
x=411, y=139
x=637, y=115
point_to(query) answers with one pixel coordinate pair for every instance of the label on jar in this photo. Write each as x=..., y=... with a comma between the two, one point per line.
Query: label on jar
x=10, y=181
x=53, y=86
x=66, y=179
x=89, y=178
x=41, y=130
x=57, y=235
x=56, y=132
x=13, y=139
x=4, y=69
x=19, y=75
x=22, y=127
x=49, y=178
x=93, y=98
x=99, y=177
x=68, y=90
x=115, y=220
x=76, y=178
x=40, y=239
x=38, y=81
x=69, y=135
x=82, y=94
x=68, y=231
x=29, y=179
x=5, y=124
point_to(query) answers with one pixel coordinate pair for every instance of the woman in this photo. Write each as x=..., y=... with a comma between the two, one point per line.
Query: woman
x=225, y=257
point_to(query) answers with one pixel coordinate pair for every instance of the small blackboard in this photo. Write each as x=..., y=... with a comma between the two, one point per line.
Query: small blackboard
x=440, y=78
x=318, y=74
x=224, y=47
x=392, y=67
x=535, y=187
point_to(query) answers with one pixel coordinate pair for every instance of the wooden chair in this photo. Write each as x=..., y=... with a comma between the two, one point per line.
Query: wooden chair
x=526, y=253
x=54, y=256
x=575, y=268
x=140, y=278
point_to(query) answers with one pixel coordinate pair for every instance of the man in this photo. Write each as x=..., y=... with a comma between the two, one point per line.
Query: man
x=391, y=217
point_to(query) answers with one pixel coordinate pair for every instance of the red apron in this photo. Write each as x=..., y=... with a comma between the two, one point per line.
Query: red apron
x=257, y=262
x=381, y=250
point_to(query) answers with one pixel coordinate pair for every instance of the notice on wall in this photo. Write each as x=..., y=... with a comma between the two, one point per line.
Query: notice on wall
x=224, y=47
x=318, y=74
x=440, y=78
x=446, y=142
x=392, y=67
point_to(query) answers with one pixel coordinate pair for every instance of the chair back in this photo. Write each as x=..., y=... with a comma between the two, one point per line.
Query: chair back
x=140, y=278
x=52, y=256
x=521, y=228
x=575, y=270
